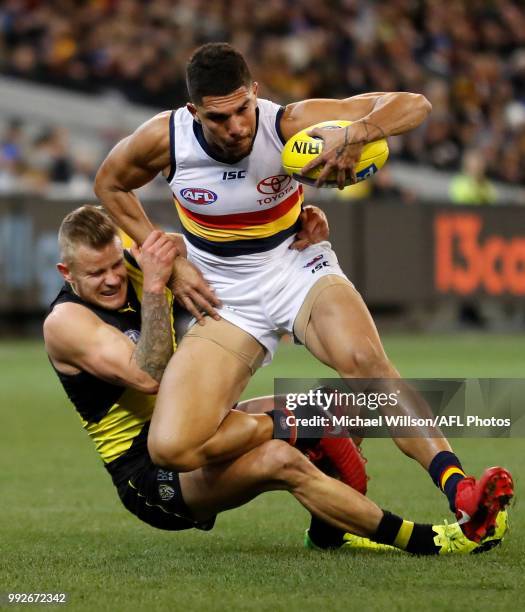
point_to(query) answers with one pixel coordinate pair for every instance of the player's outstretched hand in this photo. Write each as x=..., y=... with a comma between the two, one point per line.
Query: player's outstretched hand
x=340, y=155
x=156, y=258
x=191, y=290
x=314, y=228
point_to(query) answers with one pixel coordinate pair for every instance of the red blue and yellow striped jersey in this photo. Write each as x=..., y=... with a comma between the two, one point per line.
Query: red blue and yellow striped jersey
x=227, y=209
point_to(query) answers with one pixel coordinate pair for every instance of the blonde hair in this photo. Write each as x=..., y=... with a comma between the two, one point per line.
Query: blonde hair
x=88, y=225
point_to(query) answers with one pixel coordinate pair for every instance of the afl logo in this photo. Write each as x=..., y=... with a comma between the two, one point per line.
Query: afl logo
x=274, y=184
x=195, y=195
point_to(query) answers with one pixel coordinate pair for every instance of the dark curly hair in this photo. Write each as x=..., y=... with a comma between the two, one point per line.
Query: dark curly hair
x=215, y=69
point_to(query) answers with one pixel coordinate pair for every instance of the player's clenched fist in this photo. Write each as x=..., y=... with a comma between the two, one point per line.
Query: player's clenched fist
x=314, y=228
x=156, y=257
x=341, y=153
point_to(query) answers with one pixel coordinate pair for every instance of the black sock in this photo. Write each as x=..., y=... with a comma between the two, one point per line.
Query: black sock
x=324, y=535
x=422, y=540
x=388, y=528
x=415, y=538
x=303, y=437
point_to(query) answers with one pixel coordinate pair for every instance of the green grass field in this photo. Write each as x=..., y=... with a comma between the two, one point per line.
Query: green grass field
x=62, y=527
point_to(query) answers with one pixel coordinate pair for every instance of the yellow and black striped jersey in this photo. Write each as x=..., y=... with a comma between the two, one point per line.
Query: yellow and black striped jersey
x=115, y=417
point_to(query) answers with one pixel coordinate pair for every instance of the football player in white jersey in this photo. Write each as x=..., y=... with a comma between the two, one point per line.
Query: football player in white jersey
x=239, y=212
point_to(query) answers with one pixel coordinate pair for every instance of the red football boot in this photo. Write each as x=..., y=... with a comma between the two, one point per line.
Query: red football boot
x=479, y=501
x=345, y=456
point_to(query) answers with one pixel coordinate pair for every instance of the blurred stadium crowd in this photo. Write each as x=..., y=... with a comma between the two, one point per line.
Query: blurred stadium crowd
x=467, y=56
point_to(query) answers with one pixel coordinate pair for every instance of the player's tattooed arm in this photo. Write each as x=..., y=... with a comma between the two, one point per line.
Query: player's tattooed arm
x=374, y=116
x=155, y=345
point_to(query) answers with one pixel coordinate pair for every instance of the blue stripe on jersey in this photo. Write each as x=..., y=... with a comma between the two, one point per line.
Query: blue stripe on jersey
x=278, y=124
x=242, y=247
x=173, y=164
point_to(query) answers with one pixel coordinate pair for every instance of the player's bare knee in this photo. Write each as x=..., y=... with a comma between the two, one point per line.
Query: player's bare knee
x=168, y=455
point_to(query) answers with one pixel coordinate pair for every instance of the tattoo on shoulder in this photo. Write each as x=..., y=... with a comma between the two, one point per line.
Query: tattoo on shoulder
x=155, y=346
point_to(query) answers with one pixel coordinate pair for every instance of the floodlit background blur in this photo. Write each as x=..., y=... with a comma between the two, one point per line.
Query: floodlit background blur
x=75, y=77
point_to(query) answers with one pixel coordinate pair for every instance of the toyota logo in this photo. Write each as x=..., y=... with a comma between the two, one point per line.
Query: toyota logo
x=274, y=184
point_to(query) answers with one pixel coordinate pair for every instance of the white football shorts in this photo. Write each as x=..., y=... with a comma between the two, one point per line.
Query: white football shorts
x=262, y=293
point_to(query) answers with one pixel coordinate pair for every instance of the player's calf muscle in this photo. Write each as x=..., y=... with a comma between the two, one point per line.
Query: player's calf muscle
x=365, y=362
x=351, y=359
x=284, y=466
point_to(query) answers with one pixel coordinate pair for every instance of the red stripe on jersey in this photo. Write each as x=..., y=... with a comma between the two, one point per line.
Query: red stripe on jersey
x=241, y=220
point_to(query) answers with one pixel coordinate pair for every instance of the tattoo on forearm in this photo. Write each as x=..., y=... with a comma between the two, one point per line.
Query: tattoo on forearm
x=341, y=149
x=352, y=141
x=368, y=124
x=380, y=130
x=155, y=346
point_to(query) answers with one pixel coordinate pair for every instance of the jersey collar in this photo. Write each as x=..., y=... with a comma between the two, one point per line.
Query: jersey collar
x=199, y=135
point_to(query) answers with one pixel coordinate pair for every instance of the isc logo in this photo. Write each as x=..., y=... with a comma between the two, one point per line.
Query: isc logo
x=195, y=195
x=306, y=148
x=318, y=267
x=233, y=174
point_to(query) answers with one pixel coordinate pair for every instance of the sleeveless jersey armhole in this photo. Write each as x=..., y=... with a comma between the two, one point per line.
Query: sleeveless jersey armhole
x=173, y=166
x=278, y=124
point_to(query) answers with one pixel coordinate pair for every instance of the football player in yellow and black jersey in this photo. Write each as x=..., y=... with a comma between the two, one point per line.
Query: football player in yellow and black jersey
x=109, y=336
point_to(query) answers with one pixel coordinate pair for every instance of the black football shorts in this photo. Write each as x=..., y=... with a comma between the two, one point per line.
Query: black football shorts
x=153, y=495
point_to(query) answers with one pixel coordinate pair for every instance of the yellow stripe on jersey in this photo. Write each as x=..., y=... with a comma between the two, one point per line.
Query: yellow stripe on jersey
x=127, y=241
x=245, y=233
x=113, y=435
